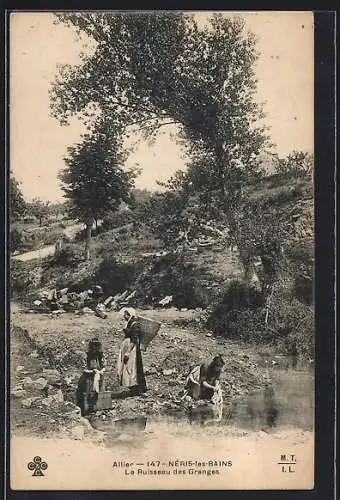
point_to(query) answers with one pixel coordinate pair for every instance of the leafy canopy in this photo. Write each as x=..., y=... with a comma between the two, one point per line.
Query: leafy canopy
x=94, y=180
x=152, y=69
x=17, y=205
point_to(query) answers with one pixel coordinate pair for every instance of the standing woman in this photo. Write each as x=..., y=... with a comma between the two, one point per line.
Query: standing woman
x=92, y=378
x=130, y=369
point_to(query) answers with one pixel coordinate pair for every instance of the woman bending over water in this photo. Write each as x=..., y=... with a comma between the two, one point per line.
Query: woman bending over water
x=203, y=381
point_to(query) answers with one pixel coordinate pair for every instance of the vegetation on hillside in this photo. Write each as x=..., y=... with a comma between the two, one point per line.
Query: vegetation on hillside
x=148, y=71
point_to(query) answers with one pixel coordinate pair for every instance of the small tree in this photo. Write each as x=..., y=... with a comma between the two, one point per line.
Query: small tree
x=296, y=164
x=94, y=180
x=39, y=208
x=17, y=205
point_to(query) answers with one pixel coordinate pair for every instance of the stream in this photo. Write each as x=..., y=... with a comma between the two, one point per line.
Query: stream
x=287, y=402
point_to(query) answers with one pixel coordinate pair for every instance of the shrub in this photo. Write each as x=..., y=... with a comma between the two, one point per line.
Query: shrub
x=115, y=277
x=234, y=309
x=304, y=288
x=172, y=275
x=116, y=219
x=16, y=240
x=292, y=324
x=301, y=262
x=69, y=256
x=52, y=236
x=25, y=277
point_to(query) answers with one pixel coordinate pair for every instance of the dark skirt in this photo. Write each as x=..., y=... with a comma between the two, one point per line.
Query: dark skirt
x=85, y=385
x=141, y=387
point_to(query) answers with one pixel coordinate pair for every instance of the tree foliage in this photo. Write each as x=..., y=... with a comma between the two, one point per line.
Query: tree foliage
x=94, y=180
x=296, y=164
x=39, y=209
x=152, y=69
x=17, y=204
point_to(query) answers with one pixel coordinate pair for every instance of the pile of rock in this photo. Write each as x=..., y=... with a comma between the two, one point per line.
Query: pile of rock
x=90, y=301
x=45, y=401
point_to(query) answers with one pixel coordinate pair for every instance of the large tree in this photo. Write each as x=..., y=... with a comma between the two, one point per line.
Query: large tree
x=94, y=180
x=154, y=69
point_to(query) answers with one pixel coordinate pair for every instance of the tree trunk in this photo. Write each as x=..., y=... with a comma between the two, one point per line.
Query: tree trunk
x=88, y=239
x=220, y=158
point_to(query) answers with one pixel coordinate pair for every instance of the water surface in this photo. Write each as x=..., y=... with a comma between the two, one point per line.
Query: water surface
x=285, y=402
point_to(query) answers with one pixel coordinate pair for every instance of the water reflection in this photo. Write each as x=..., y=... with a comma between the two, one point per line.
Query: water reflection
x=261, y=409
x=286, y=401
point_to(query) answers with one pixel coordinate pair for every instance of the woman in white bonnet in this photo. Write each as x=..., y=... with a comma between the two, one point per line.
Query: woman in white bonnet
x=130, y=369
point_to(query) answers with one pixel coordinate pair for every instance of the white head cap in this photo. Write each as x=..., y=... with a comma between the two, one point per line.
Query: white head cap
x=129, y=310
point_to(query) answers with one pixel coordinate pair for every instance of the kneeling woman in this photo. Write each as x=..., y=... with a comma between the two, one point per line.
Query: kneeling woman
x=130, y=369
x=203, y=381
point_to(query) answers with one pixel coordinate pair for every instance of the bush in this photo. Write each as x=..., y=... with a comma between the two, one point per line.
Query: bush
x=172, y=275
x=304, y=289
x=292, y=324
x=241, y=313
x=233, y=313
x=25, y=277
x=116, y=219
x=16, y=240
x=301, y=262
x=115, y=277
x=52, y=236
x=69, y=256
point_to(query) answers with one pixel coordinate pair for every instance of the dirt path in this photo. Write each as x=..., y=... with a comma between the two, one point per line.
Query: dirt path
x=41, y=253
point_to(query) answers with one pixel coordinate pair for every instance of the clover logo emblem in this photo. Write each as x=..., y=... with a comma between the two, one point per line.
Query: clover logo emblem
x=37, y=466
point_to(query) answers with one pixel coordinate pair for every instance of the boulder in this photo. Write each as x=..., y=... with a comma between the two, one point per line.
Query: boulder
x=18, y=393
x=18, y=387
x=85, y=423
x=35, y=385
x=27, y=382
x=108, y=301
x=27, y=403
x=87, y=310
x=40, y=383
x=54, y=399
x=51, y=375
x=58, y=397
x=169, y=371
x=51, y=390
x=97, y=437
x=71, y=411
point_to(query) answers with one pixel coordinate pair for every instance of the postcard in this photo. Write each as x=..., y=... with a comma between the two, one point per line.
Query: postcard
x=161, y=250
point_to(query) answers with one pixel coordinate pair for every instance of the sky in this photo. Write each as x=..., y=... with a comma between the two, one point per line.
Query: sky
x=38, y=143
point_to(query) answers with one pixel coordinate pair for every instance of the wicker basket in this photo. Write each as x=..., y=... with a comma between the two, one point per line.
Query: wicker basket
x=149, y=329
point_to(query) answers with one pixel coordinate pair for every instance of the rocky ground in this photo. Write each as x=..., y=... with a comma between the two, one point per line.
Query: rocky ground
x=48, y=355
